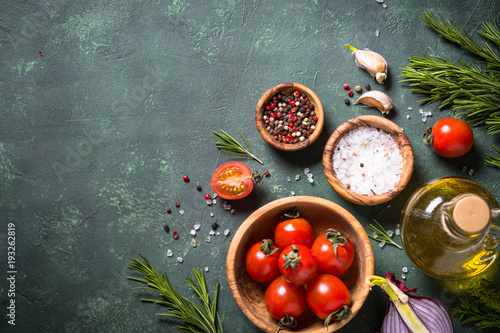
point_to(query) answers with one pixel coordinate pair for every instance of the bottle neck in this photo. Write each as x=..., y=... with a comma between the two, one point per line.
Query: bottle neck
x=468, y=214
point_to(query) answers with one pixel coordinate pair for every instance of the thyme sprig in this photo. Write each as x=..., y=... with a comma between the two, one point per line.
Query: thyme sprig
x=229, y=145
x=382, y=235
x=193, y=317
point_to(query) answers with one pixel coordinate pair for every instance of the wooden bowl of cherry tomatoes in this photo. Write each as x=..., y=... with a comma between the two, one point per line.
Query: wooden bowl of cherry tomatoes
x=320, y=259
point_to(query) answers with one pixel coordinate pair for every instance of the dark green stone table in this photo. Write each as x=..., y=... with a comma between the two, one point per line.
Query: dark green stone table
x=107, y=104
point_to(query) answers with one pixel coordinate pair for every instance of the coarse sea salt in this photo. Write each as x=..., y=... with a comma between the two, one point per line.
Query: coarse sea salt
x=367, y=161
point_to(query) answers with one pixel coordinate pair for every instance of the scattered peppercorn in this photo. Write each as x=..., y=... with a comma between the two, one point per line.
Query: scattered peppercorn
x=214, y=225
x=367, y=86
x=186, y=178
x=177, y=204
x=358, y=89
x=266, y=173
x=346, y=86
x=175, y=234
x=169, y=210
x=350, y=93
x=346, y=101
x=208, y=196
x=198, y=187
x=167, y=229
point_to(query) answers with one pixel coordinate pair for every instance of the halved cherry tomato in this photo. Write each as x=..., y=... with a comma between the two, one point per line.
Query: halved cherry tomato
x=334, y=252
x=261, y=261
x=327, y=294
x=284, y=299
x=293, y=230
x=297, y=264
x=232, y=180
x=452, y=137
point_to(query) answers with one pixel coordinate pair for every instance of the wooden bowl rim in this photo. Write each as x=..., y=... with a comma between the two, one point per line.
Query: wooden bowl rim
x=259, y=113
x=399, y=137
x=368, y=259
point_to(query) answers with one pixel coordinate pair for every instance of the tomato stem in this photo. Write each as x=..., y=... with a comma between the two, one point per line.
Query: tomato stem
x=292, y=214
x=336, y=238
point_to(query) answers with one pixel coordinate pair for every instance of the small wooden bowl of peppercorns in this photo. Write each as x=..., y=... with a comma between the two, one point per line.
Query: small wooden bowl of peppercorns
x=289, y=116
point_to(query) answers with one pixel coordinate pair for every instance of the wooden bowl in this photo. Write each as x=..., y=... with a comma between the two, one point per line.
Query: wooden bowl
x=288, y=88
x=322, y=214
x=402, y=142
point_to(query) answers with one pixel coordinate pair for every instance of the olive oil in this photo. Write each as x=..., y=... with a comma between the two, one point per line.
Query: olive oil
x=447, y=228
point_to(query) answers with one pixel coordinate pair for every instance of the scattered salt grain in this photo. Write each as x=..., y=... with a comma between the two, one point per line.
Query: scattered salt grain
x=381, y=244
x=380, y=1
x=214, y=195
x=425, y=114
x=197, y=226
x=232, y=211
x=405, y=269
x=367, y=161
x=407, y=116
x=169, y=253
x=309, y=175
x=410, y=108
x=297, y=177
x=311, y=180
x=226, y=232
x=288, y=179
x=403, y=276
x=209, y=202
x=211, y=232
x=471, y=172
x=390, y=233
x=384, y=5
x=211, y=214
x=464, y=169
x=307, y=171
x=181, y=212
x=208, y=239
x=193, y=232
x=206, y=269
x=377, y=33
x=397, y=232
x=218, y=233
x=214, y=202
x=179, y=259
x=292, y=192
x=374, y=234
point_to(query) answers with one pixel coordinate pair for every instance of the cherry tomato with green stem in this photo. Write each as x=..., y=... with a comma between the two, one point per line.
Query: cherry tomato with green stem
x=284, y=301
x=334, y=252
x=451, y=137
x=328, y=298
x=297, y=264
x=261, y=261
x=293, y=229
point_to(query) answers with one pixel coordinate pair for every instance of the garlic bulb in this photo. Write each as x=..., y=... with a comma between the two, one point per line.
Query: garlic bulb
x=373, y=62
x=376, y=99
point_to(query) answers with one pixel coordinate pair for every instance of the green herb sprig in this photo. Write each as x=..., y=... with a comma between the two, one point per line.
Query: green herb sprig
x=482, y=305
x=492, y=159
x=193, y=317
x=382, y=235
x=229, y=145
x=467, y=89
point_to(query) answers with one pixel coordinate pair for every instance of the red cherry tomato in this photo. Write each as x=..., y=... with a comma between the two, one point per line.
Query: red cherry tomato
x=284, y=299
x=232, y=180
x=334, y=252
x=452, y=137
x=327, y=294
x=297, y=264
x=294, y=230
x=261, y=261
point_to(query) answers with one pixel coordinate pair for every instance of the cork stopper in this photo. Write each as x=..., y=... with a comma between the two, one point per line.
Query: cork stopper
x=471, y=214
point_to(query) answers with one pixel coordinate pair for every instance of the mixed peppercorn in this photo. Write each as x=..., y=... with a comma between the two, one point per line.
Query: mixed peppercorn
x=290, y=118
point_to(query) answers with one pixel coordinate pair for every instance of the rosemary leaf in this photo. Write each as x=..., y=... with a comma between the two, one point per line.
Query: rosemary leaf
x=382, y=235
x=229, y=145
x=193, y=317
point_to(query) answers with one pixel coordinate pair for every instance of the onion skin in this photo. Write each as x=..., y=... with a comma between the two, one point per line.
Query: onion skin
x=431, y=313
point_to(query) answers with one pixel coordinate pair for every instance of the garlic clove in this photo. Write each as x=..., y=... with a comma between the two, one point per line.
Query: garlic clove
x=371, y=61
x=376, y=99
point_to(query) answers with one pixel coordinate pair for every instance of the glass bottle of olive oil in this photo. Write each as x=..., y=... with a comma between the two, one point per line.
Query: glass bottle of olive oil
x=450, y=228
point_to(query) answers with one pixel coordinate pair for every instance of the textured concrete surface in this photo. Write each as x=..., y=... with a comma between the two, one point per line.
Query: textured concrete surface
x=107, y=104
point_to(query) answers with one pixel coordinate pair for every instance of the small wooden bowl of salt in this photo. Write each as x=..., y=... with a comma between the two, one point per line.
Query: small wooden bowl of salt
x=368, y=160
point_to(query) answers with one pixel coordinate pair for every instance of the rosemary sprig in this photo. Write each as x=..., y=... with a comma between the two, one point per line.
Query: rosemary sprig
x=382, y=235
x=493, y=160
x=231, y=146
x=193, y=318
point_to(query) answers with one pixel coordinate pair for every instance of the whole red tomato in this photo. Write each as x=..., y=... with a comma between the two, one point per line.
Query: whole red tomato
x=261, y=261
x=284, y=299
x=232, y=180
x=293, y=230
x=334, y=252
x=297, y=264
x=327, y=294
x=452, y=137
